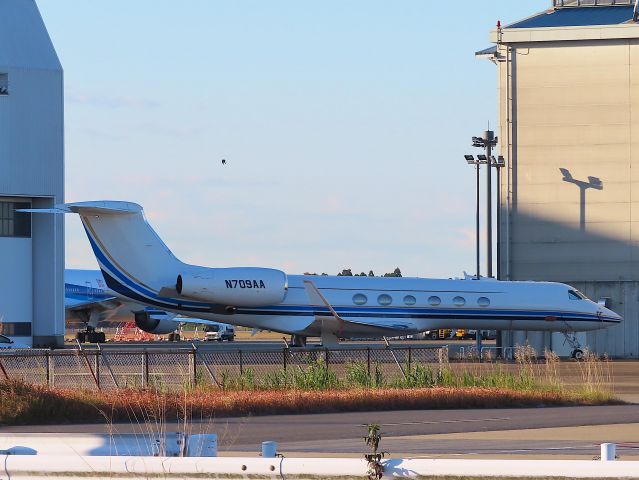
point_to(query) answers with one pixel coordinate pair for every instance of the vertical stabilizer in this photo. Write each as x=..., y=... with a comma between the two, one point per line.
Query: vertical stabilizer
x=126, y=246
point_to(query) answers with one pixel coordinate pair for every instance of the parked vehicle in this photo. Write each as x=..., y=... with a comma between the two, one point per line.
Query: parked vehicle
x=220, y=332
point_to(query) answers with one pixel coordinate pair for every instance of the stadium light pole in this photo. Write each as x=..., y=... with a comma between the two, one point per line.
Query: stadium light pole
x=488, y=142
x=476, y=162
x=498, y=163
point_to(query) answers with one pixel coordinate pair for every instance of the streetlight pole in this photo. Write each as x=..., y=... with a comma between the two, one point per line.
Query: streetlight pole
x=487, y=142
x=477, y=269
x=476, y=162
x=498, y=163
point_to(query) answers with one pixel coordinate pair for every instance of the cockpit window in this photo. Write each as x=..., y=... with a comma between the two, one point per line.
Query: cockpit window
x=576, y=295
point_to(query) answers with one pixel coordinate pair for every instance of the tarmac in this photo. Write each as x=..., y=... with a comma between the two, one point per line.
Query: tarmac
x=558, y=432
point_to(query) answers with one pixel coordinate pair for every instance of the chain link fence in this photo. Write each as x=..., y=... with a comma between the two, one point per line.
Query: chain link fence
x=175, y=369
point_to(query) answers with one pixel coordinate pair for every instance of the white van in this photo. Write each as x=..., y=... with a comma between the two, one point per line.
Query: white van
x=220, y=332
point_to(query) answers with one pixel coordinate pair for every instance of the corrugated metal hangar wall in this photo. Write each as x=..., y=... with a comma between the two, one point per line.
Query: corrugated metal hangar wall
x=569, y=130
x=31, y=174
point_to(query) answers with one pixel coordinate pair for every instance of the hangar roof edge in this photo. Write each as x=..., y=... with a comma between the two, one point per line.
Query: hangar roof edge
x=577, y=17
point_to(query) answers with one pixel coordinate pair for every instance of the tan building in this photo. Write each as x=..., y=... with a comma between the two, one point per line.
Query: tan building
x=569, y=131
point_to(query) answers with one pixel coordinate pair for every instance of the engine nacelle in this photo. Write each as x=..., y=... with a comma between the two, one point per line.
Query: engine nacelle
x=157, y=324
x=238, y=287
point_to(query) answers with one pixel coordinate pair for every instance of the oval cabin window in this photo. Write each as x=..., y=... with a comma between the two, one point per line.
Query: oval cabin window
x=483, y=302
x=384, y=299
x=434, y=301
x=459, y=301
x=410, y=300
x=360, y=299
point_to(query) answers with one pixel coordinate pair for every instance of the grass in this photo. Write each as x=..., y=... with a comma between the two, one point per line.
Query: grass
x=23, y=404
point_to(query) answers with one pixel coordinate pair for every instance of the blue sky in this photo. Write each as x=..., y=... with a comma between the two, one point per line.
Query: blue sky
x=344, y=124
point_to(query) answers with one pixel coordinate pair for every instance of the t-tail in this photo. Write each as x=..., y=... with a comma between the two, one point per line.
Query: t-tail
x=137, y=264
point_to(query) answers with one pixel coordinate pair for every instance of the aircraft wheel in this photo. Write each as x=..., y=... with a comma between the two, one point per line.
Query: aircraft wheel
x=298, y=341
x=578, y=354
x=101, y=337
x=81, y=337
x=434, y=336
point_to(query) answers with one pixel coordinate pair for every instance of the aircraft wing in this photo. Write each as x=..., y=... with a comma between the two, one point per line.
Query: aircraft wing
x=100, y=304
x=381, y=324
x=390, y=325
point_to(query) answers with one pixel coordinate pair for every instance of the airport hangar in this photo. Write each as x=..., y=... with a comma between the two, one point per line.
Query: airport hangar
x=31, y=175
x=568, y=93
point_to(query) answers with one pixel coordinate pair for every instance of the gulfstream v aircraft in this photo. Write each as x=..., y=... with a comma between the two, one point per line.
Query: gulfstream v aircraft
x=138, y=266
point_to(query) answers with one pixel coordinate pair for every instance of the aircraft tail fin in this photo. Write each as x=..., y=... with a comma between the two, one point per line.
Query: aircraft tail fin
x=125, y=245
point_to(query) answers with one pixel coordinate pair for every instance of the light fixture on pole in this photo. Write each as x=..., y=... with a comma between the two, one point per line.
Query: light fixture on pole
x=476, y=162
x=488, y=142
x=498, y=163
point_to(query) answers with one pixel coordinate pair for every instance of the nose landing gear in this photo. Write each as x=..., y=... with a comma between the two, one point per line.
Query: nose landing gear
x=571, y=339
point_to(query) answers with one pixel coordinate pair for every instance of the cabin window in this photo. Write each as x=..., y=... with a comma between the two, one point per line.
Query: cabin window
x=483, y=301
x=360, y=299
x=459, y=301
x=410, y=300
x=384, y=299
x=575, y=295
x=434, y=300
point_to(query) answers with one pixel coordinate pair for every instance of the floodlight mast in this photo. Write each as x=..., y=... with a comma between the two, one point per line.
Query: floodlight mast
x=488, y=142
x=498, y=163
x=471, y=161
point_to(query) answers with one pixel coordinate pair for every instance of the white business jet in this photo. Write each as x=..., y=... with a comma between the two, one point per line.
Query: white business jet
x=138, y=266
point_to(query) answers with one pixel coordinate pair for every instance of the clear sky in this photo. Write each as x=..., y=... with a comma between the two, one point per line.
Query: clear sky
x=344, y=124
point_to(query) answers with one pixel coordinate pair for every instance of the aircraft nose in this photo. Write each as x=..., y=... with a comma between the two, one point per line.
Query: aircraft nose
x=610, y=315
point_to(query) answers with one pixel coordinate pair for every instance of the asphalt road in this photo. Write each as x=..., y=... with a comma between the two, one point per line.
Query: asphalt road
x=565, y=432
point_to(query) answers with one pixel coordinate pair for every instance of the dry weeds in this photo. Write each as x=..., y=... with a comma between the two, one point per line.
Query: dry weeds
x=23, y=404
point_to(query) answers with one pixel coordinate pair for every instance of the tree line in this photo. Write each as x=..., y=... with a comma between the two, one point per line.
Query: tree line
x=347, y=272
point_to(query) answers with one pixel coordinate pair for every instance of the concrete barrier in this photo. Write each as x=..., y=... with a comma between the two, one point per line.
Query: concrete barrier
x=20, y=467
x=170, y=444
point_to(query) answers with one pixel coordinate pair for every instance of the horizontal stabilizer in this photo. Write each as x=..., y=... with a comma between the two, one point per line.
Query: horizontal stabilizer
x=104, y=207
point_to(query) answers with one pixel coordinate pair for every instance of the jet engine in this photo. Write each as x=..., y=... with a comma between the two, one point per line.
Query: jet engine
x=239, y=287
x=157, y=324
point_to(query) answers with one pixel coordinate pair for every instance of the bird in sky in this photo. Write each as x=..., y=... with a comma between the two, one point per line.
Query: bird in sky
x=224, y=161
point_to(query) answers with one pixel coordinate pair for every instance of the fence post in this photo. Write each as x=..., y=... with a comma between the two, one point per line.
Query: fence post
x=105, y=360
x=97, y=370
x=80, y=352
x=47, y=366
x=194, y=366
x=410, y=357
x=326, y=358
x=52, y=370
x=368, y=360
x=284, y=351
x=145, y=369
x=4, y=372
x=241, y=364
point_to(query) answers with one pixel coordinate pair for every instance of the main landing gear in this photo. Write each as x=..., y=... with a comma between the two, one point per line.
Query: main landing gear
x=89, y=335
x=298, y=341
x=571, y=339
